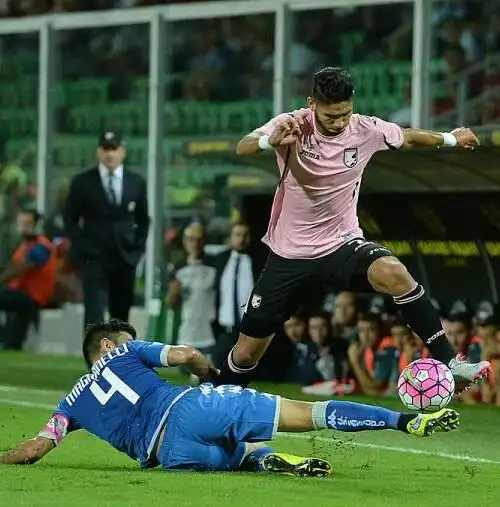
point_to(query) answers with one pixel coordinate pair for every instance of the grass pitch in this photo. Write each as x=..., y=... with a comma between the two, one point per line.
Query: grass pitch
x=375, y=469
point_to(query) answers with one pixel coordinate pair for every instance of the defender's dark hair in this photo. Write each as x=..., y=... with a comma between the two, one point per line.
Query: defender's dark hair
x=95, y=333
x=332, y=85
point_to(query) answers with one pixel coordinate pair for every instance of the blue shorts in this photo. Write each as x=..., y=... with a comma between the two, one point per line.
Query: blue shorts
x=208, y=427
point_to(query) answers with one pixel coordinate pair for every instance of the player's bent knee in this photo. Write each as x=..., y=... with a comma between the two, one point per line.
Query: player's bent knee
x=389, y=275
x=259, y=327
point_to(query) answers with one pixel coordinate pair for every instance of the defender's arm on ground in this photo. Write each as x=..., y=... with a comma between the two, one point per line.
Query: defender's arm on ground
x=35, y=449
x=28, y=452
x=415, y=138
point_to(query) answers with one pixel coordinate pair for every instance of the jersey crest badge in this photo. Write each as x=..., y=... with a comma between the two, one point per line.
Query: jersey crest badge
x=256, y=301
x=350, y=157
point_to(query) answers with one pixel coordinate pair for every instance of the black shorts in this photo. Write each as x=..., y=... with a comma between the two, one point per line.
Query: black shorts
x=285, y=283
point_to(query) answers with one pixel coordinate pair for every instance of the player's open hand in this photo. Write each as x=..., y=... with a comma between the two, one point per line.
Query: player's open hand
x=286, y=133
x=466, y=138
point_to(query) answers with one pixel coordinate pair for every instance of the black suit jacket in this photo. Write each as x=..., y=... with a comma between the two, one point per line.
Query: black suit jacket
x=220, y=261
x=99, y=231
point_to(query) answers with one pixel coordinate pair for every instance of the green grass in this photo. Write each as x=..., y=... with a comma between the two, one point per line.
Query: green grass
x=86, y=472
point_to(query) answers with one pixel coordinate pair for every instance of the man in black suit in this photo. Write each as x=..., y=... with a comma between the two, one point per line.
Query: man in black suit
x=237, y=270
x=107, y=222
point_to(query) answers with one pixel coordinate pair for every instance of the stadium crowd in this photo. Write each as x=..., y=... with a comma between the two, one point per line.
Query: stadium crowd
x=231, y=58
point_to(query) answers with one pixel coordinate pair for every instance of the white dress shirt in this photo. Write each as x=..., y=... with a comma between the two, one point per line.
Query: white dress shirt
x=245, y=287
x=117, y=181
x=198, y=304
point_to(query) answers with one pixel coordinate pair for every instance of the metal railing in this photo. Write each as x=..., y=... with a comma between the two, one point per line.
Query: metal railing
x=468, y=109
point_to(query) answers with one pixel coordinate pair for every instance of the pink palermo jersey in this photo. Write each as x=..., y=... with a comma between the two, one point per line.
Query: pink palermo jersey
x=314, y=207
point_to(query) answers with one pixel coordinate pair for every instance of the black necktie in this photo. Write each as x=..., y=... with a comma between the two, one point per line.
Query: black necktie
x=235, y=292
x=111, y=191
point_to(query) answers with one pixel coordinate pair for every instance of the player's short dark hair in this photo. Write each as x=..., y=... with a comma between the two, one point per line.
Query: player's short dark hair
x=94, y=334
x=332, y=85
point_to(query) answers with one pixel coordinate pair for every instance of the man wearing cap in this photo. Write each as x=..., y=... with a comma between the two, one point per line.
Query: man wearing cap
x=106, y=220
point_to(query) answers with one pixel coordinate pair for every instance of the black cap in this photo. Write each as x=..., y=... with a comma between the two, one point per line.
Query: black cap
x=110, y=140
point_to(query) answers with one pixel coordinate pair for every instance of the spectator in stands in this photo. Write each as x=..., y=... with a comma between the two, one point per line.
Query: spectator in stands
x=302, y=369
x=331, y=361
x=27, y=283
x=410, y=346
x=460, y=333
x=237, y=270
x=488, y=331
x=68, y=285
x=373, y=357
x=345, y=316
x=192, y=289
x=320, y=332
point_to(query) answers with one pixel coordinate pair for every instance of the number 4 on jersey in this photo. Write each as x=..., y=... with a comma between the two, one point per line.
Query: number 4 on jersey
x=116, y=386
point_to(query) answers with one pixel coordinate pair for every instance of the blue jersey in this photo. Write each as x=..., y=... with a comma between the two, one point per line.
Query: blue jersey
x=123, y=400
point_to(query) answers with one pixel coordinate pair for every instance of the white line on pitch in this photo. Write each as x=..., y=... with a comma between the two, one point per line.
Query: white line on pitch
x=21, y=403
x=403, y=450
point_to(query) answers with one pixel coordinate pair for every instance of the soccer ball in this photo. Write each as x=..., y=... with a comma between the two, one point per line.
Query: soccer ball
x=426, y=385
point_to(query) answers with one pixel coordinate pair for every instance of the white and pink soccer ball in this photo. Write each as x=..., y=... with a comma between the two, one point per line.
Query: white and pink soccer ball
x=426, y=385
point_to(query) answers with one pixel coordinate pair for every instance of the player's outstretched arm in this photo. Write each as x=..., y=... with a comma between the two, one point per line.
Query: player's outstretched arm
x=28, y=452
x=193, y=360
x=460, y=138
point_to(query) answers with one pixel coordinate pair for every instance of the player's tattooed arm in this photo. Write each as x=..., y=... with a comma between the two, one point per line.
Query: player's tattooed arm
x=461, y=138
x=28, y=452
x=193, y=360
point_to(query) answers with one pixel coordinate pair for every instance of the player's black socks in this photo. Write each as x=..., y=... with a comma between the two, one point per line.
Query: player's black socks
x=403, y=421
x=230, y=373
x=424, y=320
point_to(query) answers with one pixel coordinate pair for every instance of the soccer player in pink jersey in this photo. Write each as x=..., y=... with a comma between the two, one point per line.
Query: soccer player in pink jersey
x=314, y=235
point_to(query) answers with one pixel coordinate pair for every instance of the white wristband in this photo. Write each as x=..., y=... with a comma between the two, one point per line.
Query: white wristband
x=449, y=139
x=264, y=143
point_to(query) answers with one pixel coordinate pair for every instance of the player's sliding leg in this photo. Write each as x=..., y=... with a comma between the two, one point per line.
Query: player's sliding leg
x=261, y=458
x=389, y=276
x=299, y=416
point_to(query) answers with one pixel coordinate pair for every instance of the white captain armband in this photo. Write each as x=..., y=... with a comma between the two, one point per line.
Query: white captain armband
x=56, y=429
x=164, y=355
